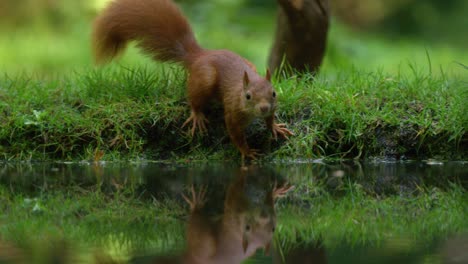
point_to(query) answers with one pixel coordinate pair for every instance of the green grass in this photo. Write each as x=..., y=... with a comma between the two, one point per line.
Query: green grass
x=138, y=113
x=374, y=113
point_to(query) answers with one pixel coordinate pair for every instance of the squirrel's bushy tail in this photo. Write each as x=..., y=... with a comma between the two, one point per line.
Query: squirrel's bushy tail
x=158, y=26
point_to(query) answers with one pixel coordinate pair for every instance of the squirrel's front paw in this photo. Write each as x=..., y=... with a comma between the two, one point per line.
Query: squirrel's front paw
x=280, y=129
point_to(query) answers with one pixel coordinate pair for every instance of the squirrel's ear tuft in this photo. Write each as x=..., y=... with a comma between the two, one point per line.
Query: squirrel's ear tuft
x=268, y=75
x=246, y=79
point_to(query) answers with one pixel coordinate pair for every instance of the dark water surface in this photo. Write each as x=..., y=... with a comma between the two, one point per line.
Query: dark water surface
x=232, y=213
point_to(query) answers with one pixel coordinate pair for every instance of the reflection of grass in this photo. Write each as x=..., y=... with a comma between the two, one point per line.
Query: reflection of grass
x=358, y=219
x=90, y=217
x=121, y=222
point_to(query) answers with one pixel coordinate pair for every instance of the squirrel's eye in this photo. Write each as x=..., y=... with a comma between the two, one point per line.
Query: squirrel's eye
x=247, y=227
x=248, y=96
x=274, y=94
x=273, y=229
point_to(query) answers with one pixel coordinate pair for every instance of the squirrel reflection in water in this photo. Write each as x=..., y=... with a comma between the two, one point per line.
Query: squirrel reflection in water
x=246, y=225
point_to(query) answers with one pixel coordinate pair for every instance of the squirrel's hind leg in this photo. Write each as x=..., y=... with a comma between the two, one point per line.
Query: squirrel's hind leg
x=201, y=88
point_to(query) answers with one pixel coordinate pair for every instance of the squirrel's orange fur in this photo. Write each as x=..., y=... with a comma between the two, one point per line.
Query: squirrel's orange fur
x=162, y=31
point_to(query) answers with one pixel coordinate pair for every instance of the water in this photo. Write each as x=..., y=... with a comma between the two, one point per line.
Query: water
x=278, y=213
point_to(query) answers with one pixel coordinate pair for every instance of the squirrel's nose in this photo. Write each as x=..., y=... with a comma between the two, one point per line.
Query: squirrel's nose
x=265, y=108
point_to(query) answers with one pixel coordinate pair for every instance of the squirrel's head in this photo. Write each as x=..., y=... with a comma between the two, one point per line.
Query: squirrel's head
x=259, y=97
x=258, y=228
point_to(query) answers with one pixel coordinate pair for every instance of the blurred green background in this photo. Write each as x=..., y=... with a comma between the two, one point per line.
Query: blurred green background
x=52, y=37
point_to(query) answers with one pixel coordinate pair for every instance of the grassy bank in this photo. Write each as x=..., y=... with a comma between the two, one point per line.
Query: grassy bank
x=137, y=113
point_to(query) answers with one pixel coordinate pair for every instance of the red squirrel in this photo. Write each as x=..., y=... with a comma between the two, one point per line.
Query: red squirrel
x=162, y=31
